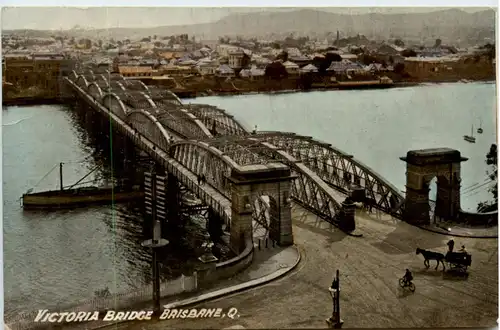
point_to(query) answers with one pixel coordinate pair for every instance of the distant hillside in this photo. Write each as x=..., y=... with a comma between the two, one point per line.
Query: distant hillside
x=450, y=25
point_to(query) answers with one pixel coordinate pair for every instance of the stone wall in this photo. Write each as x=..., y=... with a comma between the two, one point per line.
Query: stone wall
x=208, y=274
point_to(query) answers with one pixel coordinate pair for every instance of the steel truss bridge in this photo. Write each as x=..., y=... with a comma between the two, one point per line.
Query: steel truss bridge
x=194, y=139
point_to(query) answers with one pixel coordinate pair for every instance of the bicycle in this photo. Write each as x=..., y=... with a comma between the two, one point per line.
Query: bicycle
x=404, y=284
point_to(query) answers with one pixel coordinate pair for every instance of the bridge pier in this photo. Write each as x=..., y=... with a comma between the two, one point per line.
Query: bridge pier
x=245, y=189
x=422, y=166
x=347, y=221
x=174, y=200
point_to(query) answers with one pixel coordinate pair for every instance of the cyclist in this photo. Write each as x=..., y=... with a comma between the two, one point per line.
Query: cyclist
x=408, y=277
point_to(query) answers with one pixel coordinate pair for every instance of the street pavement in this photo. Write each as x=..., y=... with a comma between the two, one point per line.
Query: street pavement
x=370, y=267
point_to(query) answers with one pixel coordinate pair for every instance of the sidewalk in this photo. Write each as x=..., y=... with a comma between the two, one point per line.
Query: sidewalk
x=268, y=264
x=451, y=229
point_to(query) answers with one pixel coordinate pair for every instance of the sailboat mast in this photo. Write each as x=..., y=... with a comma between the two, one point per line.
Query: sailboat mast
x=61, y=175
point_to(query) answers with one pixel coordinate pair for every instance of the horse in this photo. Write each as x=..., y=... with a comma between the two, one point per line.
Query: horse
x=430, y=255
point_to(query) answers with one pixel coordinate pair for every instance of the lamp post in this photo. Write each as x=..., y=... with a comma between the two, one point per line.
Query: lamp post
x=155, y=243
x=334, y=290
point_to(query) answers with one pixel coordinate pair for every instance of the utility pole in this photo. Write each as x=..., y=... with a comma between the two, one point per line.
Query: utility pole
x=335, y=321
x=152, y=186
x=61, y=176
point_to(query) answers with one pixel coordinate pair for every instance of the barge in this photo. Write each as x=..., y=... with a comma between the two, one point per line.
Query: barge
x=75, y=196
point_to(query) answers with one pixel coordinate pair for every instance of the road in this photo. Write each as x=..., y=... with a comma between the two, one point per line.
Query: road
x=369, y=270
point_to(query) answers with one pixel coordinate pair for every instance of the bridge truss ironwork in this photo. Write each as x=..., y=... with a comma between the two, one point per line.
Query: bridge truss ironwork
x=338, y=169
x=215, y=143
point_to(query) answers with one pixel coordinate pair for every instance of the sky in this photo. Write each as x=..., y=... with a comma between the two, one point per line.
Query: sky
x=60, y=18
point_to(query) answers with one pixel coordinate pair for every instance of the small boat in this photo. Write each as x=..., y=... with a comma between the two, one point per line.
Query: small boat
x=77, y=197
x=480, y=130
x=470, y=138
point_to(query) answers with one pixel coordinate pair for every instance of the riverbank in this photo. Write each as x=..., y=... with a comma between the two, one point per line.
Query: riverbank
x=231, y=88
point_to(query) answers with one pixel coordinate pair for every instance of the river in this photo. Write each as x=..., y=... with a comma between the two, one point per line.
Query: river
x=63, y=257
x=379, y=126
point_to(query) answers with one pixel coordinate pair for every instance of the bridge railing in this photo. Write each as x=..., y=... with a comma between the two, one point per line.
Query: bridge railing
x=117, y=301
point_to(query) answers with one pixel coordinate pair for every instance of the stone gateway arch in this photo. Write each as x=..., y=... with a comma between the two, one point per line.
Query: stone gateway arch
x=422, y=166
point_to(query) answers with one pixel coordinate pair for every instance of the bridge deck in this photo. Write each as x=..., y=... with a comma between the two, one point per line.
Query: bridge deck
x=208, y=194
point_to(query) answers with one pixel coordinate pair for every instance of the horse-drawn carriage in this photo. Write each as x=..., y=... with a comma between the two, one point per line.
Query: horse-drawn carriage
x=458, y=260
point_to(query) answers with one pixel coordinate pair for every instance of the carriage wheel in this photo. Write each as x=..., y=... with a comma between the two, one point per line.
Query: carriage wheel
x=412, y=287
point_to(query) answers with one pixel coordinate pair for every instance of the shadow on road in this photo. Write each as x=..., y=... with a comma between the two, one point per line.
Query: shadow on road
x=453, y=275
x=430, y=272
x=403, y=293
x=405, y=239
x=317, y=225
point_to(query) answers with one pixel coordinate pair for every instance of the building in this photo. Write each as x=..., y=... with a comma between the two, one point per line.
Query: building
x=207, y=68
x=253, y=73
x=426, y=66
x=235, y=59
x=42, y=71
x=309, y=69
x=389, y=49
x=291, y=67
x=224, y=71
x=137, y=71
x=345, y=67
x=300, y=60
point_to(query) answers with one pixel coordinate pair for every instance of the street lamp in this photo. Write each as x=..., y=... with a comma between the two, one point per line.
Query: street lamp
x=155, y=243
x=334, y=290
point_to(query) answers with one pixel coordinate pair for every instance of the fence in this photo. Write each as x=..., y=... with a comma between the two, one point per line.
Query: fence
x=116, y=301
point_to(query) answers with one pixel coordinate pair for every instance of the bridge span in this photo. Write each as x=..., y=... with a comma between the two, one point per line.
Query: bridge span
x=198, y=139
x=206, y=140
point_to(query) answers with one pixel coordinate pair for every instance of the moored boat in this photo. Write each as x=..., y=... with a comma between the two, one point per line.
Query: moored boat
x=75, y=196
x=70, y=198
x=470, y=138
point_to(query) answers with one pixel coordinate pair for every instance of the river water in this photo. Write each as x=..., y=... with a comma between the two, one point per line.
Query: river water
x=379, y=126
x=63, y=257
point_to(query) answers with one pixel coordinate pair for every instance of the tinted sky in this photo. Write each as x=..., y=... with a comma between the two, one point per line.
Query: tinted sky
x=54, y=18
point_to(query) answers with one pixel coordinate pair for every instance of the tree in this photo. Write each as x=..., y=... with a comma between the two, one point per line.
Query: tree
x=332, y=57
x=245, y=61
x=399, y=68
x=276, y=70
x=282, y=56
x=408, y=53
x=99, y=43
x=323, y=63
x=492, y=161
x=399, y=43
x=368, y=59
x=275, y=45
x=306, y=81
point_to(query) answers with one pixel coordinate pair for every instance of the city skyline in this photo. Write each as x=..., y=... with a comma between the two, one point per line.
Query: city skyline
x=14, y=18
